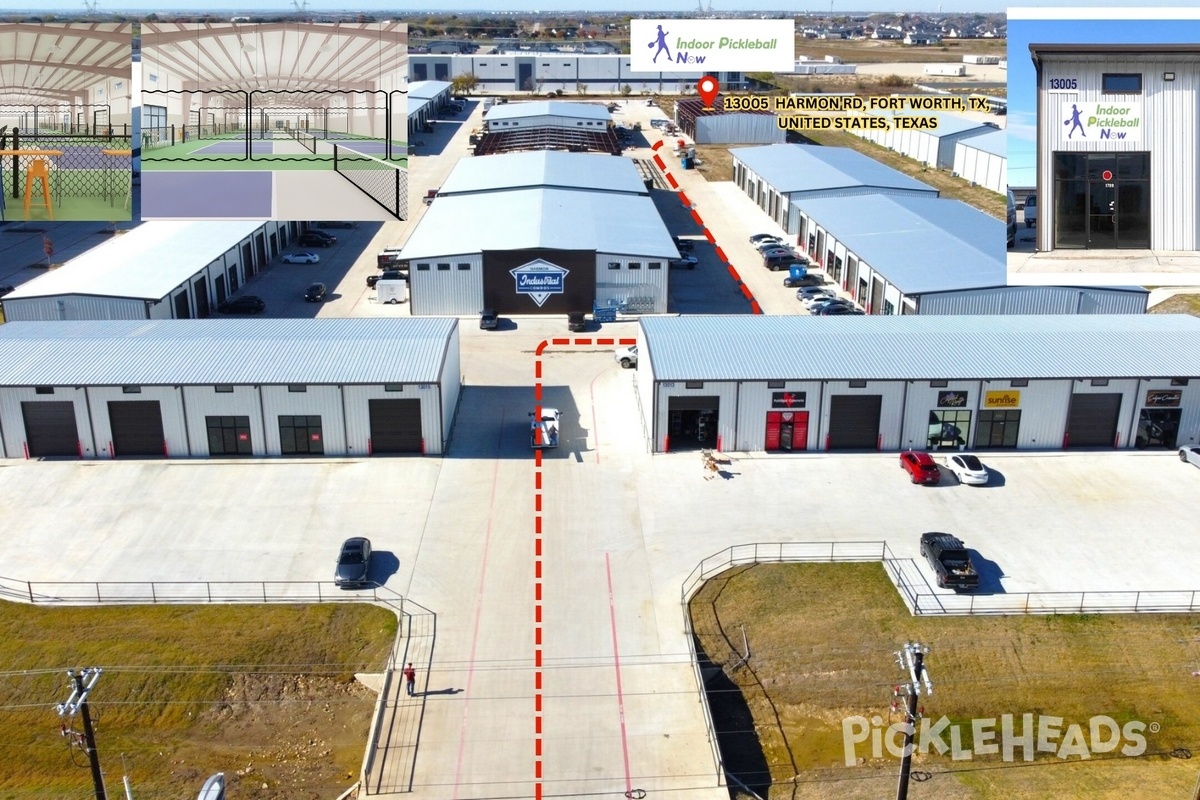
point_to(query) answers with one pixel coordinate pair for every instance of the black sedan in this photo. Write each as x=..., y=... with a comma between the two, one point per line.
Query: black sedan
x=353, y=564
x=246, y=304
x=807, y=279
x=315, y=292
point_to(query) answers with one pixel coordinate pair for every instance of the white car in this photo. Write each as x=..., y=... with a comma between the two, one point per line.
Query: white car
x=544, y=432
x=967, y=469
x=301, y=258
x=626, y=356
x=1190, y=455
x=808, y=295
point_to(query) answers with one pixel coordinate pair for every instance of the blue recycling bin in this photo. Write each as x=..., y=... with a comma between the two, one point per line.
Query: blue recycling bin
x=797, y=271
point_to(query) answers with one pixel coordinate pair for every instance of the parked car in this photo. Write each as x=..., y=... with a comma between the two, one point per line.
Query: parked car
x=815, y=306
x=780, y=250
x=326, y=235
x=776, y=260
x=544, y=432
x=807, y=280
x=386, y=275
x=337, y=224
x=950, y=560
x=1010, y=219
x=1031, y=211
x=772, y=241
x=626, y=356
x=315, y=292
x=809, y=294
x=758, y=237
x=246, y=304
x=683, y=244
x=920, y=467
x=1190, y=455
x=967, y=468
x=312, y=239
x=430, y=196
x=489, y=320
x=301, y=258
x=683, y=262
x=839, y=310
x=354, y=563
x=576, y=321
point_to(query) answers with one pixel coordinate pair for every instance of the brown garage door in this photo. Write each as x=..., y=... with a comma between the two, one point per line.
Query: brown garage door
x=50, y=429
x=137, y=428
x=395, y=426
x=854, y=421
x=1093, y=420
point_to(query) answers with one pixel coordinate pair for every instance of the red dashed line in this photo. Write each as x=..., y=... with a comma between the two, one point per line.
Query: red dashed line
x=683, y=198
x=734, y=274
x=708, y=235
x=659, y=161
x=721, y=255
x=671, y=180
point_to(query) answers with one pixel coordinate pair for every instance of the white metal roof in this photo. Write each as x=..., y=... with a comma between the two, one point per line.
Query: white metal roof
x=279, y=56
x=227, y=351
x=551, y=168
x=552, y=108
x=939, y=347
x=995, y=143
x=812, y=168
x=146, y=263
x=561, y=219
x=427, y=90
x=49, y=62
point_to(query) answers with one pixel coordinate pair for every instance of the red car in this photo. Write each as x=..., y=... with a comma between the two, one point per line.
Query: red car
x=920, y=467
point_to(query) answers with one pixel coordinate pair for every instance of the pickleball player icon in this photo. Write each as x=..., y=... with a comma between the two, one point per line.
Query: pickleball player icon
x=1074, y=122
x=661, y=41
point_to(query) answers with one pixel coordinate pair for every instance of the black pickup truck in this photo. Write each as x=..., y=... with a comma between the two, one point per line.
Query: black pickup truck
x=950, y=561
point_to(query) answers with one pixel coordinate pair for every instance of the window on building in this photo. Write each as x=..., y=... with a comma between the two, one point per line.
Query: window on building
x=1174, y=382
x=228, y=436
x=654, y=265
x=888, y=307
x=614, y=265
x=443, y=267
x=1099, y=381
x=43, y=390
x=938, y=384
x=694, y=384
x=858, y=384
x=776, y=384
x=131, y=389
x=422, y=268
x=1121, y=83
x=635, y=265
x=393, y=387
x=1018, y=383
x=223, y=388
x=300, y=434
x=948, y=429
x=464, y=266
x=297, y=387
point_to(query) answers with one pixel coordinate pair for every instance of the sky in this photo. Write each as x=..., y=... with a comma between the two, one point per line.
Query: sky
x=1022, y=93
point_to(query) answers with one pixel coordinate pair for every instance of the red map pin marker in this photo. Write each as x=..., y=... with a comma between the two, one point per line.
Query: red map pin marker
x=707, y=88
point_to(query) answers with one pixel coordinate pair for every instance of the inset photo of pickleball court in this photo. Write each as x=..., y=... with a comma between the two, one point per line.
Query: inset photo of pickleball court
x=65, y=122
x=274, y=121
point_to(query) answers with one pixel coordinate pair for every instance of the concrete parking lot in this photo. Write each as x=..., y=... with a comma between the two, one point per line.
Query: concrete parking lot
x=457, y=534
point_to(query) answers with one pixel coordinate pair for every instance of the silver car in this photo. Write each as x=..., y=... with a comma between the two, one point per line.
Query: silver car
x=1190, y=455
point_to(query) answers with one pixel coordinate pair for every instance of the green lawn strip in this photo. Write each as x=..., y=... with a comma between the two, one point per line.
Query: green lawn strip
x=164, y=668
x=823, y=639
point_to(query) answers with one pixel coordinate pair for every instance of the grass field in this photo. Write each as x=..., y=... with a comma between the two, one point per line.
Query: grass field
x=188, y=691
x=1186, y=303
x=823, y=637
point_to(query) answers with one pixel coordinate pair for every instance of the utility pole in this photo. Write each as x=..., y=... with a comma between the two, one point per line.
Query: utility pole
x=911, y=659
x=78, y=701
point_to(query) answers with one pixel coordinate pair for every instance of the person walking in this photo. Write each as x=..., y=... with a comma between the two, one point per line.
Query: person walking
x=410, y=678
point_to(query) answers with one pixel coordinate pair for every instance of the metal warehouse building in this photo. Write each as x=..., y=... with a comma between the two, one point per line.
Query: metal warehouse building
x=425, y=100
x=889, y=383
x=933, y=147
x=983, y=160
x=1117, y=144
x=716, y=126
x=158, y=270
x=199, y=388
x=550, y=232
x=549, y=70
x=547, y=114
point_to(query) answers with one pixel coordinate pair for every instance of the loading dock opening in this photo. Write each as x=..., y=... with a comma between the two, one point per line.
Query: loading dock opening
x=1092, y=420
x=854, y=421
x=692, y=422
x=50, y=428
x=395, y=426
x=137, y=428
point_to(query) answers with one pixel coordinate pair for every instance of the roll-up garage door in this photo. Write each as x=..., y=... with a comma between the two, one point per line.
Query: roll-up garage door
x=1093, y=420
x=395, y=426
x=690, y=403
x=137, y=428
x=854, y=421
x=50, y=429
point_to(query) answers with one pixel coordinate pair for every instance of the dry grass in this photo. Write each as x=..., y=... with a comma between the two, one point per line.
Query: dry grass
x=1185, y=303
x=868, y=51
x=823, y=638
x=169, y=698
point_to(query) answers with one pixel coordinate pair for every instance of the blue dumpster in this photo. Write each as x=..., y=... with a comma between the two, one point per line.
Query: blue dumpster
x=797, y=271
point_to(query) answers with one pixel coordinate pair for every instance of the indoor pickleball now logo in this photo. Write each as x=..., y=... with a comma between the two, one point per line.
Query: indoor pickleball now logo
x=703, y=45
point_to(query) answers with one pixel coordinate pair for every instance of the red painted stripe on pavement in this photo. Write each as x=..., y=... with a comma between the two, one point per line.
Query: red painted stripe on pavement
x=612, y=617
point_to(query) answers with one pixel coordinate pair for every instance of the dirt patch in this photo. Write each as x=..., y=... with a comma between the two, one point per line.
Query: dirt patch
x=276, y=736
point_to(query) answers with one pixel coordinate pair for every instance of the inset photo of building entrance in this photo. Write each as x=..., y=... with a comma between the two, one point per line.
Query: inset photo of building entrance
x=1104, y=148
x=274, y=120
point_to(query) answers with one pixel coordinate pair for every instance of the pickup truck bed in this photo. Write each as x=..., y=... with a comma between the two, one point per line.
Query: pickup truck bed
x=951, y=562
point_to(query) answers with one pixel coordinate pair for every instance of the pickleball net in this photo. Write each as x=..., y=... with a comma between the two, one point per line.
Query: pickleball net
x=306, y=140
x=386, y=184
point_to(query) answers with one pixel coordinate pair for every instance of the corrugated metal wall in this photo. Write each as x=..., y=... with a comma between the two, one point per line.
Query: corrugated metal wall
x=921, y=400
x=643, y=289
x=1189, y=419
x=449, y=292
x=754, y=402
x=890, y=413
x=980, y=167
x=1130, y=403
x=170, y=403
x=739, y=129
x=547, y=121
x=727, y=417
x=451, y=386
x=205, y=401
x=73, y=306
x=12, y=421
x=322, y=401
x=358, y=414
x=1171, y=134
x=1035, y=300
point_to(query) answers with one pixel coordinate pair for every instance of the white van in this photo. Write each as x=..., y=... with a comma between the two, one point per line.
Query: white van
x=391, y=291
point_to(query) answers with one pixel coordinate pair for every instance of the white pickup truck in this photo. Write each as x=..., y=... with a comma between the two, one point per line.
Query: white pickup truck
x=543, y=432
